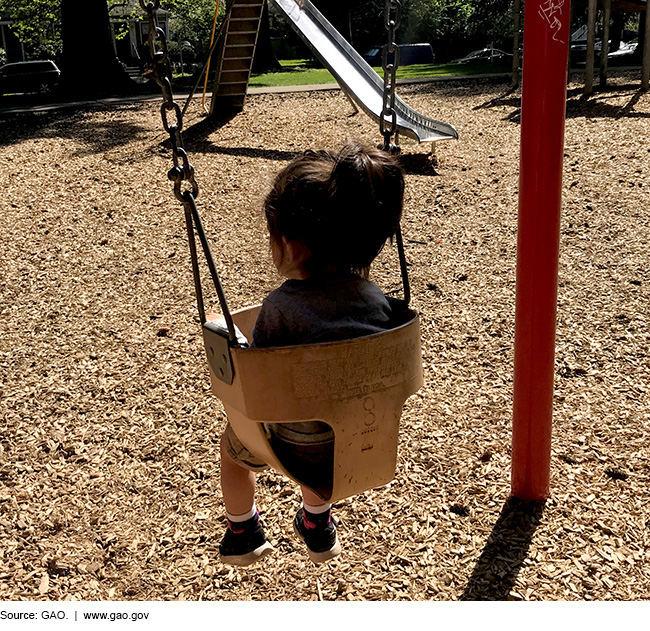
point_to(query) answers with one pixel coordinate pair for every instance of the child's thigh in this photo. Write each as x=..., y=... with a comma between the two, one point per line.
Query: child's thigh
x=239, y=453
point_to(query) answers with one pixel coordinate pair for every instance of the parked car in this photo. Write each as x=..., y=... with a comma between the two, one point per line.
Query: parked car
x=625, y=53
x=485, y=54
x=28, y=76
x=579, y=51
x=409, y=54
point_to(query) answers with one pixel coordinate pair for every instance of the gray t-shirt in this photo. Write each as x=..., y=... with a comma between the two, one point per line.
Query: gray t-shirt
x=319, y=310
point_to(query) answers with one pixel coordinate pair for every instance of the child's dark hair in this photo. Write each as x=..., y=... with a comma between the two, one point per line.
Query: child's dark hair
x=342, y=207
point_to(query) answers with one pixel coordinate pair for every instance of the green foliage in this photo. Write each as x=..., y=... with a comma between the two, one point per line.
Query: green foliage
x=191, y=21
x=433, y=20
x=454, y=27
x=37, y=24
x=124, y=11
x=3, y=56
x=492, y=20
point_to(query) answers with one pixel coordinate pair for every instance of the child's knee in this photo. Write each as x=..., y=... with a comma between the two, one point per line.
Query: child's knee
x=235, y=453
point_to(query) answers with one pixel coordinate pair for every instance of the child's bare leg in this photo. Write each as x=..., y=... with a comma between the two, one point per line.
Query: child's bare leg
x=311, y=499
x=237, y=485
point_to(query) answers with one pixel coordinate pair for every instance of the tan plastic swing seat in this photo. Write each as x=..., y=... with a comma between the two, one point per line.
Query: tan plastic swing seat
x=358, y=387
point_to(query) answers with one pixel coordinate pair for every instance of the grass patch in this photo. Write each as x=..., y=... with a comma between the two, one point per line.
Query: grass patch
x=307, y=76
x=302, y=72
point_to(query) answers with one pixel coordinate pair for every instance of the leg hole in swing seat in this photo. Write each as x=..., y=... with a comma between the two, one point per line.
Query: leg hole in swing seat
x=306, y=450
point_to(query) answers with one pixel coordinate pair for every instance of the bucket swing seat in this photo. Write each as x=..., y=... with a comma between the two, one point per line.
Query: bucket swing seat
x=358, y=387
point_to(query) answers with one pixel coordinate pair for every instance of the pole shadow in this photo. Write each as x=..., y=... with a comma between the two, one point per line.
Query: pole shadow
x=506, y=549
x=198, y=132
x=418, y=163
x=510, y=97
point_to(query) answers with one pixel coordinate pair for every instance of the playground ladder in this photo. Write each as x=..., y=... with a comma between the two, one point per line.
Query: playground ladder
x=236, y=54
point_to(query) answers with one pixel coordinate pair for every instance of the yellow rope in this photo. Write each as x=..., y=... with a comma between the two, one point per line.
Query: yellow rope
x=207, y=69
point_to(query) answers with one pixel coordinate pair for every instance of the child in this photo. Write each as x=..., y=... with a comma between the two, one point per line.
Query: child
x=329, y=215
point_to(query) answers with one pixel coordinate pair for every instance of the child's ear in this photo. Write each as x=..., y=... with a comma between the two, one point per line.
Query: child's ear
x=295, y=252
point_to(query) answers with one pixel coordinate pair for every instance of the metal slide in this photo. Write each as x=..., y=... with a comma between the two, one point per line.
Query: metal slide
x=360, y=82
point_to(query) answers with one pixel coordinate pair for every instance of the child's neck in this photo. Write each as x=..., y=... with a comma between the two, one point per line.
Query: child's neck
x=327, y=273
x=296, y=274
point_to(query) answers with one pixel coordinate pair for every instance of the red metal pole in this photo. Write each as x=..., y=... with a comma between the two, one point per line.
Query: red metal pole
x=543, y=109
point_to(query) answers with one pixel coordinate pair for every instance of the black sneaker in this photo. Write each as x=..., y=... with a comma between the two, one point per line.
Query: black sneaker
x=244, y=543
x=319, y=534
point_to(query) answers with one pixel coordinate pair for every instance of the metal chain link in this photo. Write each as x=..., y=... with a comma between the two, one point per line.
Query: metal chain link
x=390, y=63
x=182, y=171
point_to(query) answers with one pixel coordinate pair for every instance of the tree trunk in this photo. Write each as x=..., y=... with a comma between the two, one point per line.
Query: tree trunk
x=265, y=60
x=89, y=66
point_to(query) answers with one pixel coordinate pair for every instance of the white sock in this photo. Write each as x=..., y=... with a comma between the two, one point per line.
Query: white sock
x=316, y=510
x=246, y=516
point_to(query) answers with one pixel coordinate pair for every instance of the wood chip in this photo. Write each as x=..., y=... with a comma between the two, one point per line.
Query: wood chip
x=109, y=435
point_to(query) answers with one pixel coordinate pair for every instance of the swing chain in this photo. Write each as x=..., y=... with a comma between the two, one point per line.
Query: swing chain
x=182, y=169
x=390, y=63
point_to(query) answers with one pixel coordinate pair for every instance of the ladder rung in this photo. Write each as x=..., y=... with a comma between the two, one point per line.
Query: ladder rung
x=241, y=78
x=242, y=72
x=243, y=26
x=243, y=18
x=250, y=13
x=229, y=66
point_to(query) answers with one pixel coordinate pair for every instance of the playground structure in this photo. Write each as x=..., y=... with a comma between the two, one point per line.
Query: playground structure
x=547, y=26
x=639, y=7
x=609, y=8
x=358, y=80
x=113, y=461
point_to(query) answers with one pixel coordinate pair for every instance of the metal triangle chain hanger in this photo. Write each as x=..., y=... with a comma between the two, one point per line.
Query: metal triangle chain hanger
x=183, y=171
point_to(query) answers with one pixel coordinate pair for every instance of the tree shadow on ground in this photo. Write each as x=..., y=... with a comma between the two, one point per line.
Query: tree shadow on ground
x=93, y=137
x=596, y=105
x=508, y=98
x=197, y=140
x=578, y=104
x=507, y=547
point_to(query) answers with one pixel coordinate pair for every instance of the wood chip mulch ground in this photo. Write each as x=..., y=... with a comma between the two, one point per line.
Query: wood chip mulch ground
x=109, y=465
